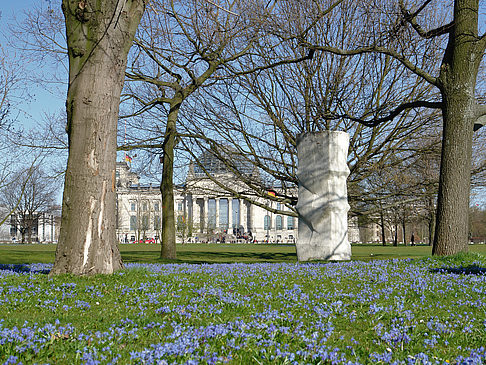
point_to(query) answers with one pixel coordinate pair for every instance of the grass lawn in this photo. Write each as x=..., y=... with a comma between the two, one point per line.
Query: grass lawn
x=216, y=253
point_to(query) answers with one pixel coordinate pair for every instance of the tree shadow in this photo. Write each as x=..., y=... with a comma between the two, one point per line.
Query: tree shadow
x=26, y=268
x=466, y=270
x=209, y=257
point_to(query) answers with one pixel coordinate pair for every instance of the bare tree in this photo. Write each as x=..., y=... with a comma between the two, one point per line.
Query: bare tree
x=425, y=169
x=252, y=119
x=477, y=223
x=175, y=55
x=7, y=83
x=39, y=36
x=455, y=78
x=28, y=196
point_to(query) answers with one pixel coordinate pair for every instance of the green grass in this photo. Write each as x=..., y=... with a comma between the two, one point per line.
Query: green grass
x=217, y=253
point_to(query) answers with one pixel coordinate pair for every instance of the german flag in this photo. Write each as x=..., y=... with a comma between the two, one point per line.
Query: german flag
x=272, y=193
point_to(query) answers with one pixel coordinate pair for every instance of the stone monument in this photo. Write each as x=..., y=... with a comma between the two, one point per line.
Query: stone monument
x=323, y=200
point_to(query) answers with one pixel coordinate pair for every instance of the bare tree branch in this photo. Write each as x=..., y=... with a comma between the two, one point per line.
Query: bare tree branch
x=412, y=19
x=376, y=49
x=394, y=113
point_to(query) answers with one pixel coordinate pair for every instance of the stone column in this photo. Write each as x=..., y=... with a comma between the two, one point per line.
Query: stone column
x=323, y=201
x=190, y=209
x=248, y=217
x=205, y=218
x=242, y=212
x=217, y=200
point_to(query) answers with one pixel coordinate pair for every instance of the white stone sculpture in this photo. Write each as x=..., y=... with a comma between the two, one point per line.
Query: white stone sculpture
x=323, y=201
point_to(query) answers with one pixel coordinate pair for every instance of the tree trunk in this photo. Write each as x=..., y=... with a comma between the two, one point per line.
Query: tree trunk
x=168, y=244
x=457, y=81
x=382, y=221
x=404, y=232
x=99, y=35
x=454, y=183
x=430, y=222
x=395, y=238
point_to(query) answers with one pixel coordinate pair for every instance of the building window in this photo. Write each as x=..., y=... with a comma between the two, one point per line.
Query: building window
x=144, y=206
x=133, y=222
x=157, y=222
x=267, y=222
x=290, y=222
x=156, y=207
x=179, y=206
x=279, y=206
x=132, y=206
x=279, y=223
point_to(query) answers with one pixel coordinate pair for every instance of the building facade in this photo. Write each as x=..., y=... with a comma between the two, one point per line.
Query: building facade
x=204, y=212
x=42, y=227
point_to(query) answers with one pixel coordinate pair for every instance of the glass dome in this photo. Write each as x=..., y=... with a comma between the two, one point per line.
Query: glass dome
x=222, y=162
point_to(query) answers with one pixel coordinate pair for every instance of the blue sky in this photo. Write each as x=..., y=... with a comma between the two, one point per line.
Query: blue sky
x=40, y=101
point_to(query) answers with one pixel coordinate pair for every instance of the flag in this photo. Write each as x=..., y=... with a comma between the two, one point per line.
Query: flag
x=272, y=193
x=128, y=158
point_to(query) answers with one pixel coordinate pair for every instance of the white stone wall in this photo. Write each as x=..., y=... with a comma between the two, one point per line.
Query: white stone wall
x=323, y=201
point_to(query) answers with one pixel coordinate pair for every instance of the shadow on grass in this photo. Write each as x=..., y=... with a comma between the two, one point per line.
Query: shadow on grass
x=25, y=268
x=468, y=270
x=209, y=257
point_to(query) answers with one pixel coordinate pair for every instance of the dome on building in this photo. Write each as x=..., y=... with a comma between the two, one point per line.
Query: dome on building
x=223, y=162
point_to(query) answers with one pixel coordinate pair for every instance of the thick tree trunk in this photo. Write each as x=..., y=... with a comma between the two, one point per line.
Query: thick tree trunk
x=99, y=35
x=457, y=81
x=168, y=244
x=454, y=184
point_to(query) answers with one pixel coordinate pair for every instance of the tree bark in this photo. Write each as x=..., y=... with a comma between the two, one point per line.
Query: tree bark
x=395, y=238
x=430, y=219
x=457, y=82
x=99, y=36
x=168, y=244
x=431, y=232
x=454, y=183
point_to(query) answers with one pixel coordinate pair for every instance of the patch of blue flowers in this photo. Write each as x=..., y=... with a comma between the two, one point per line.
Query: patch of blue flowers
x=389, y=312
